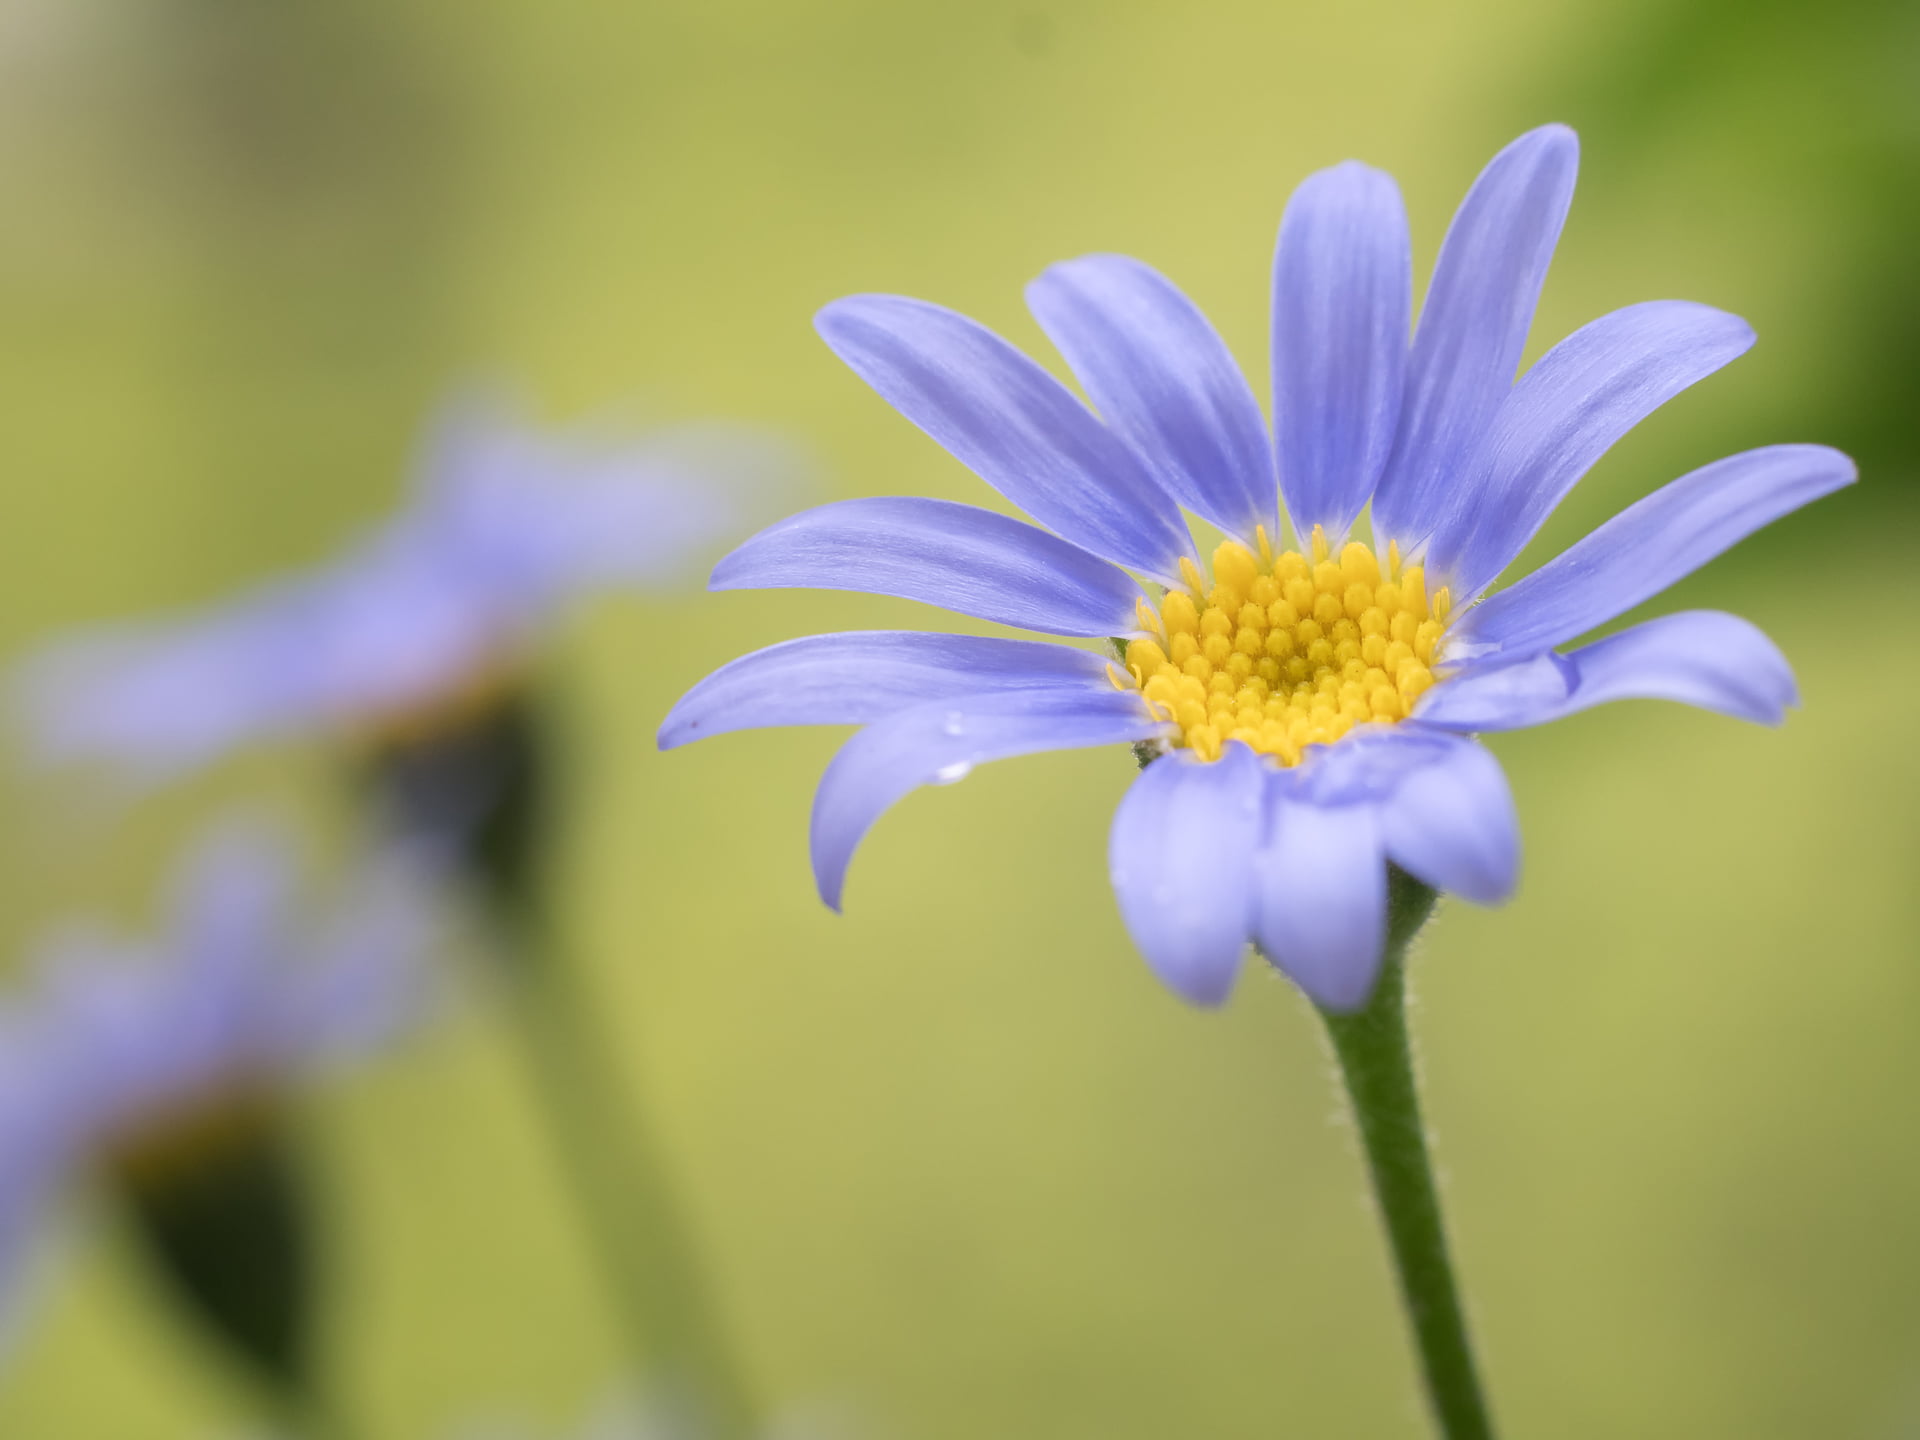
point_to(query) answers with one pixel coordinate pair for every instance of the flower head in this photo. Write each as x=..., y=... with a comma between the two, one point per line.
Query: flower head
x=1309, y=696
x=145, y=1059
x=421, y=625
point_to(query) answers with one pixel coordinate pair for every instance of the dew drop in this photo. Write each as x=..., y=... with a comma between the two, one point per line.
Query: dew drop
x=951, y=774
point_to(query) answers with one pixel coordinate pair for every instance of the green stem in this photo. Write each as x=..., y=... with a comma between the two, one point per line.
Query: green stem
x=1377, y=1064
x=621, y=1190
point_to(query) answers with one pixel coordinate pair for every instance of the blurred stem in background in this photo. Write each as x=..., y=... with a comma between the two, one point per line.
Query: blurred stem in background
x=482, y=792
x=225, y=1219
x=1376, y=1060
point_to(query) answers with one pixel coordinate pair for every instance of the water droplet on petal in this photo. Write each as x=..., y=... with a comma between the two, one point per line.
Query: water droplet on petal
x=951, y=774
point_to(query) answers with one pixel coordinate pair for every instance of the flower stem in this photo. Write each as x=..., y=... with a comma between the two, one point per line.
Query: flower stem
x=1377, y=1063
x=486, y=794
x=627, y=1207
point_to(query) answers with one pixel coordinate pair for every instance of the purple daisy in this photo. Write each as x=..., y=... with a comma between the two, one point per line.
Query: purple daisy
x=425, y=623
x=143, y=1058
x=1308, y=701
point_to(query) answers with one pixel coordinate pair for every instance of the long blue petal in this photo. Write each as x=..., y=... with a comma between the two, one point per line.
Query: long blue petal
x=939, y=743
x=1473, y=325
x=1565, y=413
x=1321, y=888
x=857, y=677
x=1181, y=856
x=1342, y=290
x=959, y=557
x=1649, y=546
x=1698, y=657
x=1012, y=424
x=1160, y=375
x=1451, y=823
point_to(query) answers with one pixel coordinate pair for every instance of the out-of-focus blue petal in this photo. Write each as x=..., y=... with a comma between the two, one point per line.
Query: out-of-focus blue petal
x=1342, y=287
x=1181, y=857
x=1649, y=546
x=959, y=557
x=1012, y=424
x=1565, y=413
x=379, y=630
x=507, y=522
x=1159, y=374
x=164, y=698
x=1452, y=824
x=1473, y=326
x=361, y=975
x=1698, y=657
x=858, y=676
x=233, y=893
x=230, y=995
x=529, y=516
x=36, y=1136
x=1321, y=896
x=939, y=743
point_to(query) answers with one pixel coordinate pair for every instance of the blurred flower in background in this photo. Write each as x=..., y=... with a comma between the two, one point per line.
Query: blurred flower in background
x=165, y=1068
x=427, y=624
x=419, y=647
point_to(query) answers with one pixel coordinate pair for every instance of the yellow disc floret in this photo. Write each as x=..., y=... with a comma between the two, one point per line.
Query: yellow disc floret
x=1287, y=651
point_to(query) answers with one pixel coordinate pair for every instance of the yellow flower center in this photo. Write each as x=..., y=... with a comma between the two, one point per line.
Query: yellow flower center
x=1283, y=652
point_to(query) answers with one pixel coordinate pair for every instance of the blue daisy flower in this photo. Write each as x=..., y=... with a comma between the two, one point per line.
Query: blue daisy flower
x=419, y=627
x=1308, y=700
x=145, y=1058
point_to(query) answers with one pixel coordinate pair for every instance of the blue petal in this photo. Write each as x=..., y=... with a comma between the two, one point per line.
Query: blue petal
x=1565, y=413
x=858, y=677
x=1443, y=803
x=1181, y=857
x=1342, y=287
x=940, y=742
x=957, y=556
x=379, y=630
x=1012, y=424
x=1698, y=657
x=1321, y=896
x=1649, y=546
x=367, y=970
x=233, y=895
x=1160, y=375
x=531, y=515
x=160, y=700
x=1474, y=325
x=1451, y=823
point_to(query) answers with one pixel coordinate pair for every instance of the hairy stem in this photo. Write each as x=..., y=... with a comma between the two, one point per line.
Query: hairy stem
x=1376, y=1062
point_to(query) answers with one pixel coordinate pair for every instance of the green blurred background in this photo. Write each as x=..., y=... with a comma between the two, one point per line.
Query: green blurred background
x=963, y=1168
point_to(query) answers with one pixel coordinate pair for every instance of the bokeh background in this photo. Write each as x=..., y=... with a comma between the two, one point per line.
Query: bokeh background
x=962, y=1168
